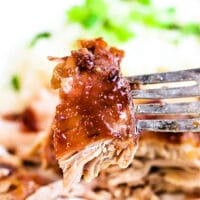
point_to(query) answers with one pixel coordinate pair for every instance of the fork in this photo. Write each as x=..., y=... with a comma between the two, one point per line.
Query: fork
x=186, y=115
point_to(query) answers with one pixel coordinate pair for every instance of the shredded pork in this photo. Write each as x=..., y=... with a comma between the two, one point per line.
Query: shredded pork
x=93, y=125
x=169, y=171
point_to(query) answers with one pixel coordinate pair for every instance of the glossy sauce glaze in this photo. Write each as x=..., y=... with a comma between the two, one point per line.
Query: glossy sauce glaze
x=95, y=99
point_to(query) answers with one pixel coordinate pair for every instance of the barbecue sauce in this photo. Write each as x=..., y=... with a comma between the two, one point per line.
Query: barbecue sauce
x=95, y=98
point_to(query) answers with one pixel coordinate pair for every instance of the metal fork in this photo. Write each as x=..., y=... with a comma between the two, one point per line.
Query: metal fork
x=186, y=114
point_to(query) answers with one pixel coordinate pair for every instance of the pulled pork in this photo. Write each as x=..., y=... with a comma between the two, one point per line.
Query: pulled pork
x=18, y=182
x=93, y=125
x=170, y=171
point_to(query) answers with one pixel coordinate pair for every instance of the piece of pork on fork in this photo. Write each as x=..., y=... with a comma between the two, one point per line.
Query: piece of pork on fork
x=93, y=125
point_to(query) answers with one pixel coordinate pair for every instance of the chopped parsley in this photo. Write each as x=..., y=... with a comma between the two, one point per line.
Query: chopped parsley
x=96, y=17
x=151, y=17
x=145, y=2
x=191, y=28
x=39, y=36
x=88, y=14
x=171, y=10
x=165, y=20
x=122, y=35
x=15, y=82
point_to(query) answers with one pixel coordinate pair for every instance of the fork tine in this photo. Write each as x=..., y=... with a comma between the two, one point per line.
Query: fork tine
x=173, y=108
x=177, y=76
x=168, y=125
x=178, y=125
x=167, y=93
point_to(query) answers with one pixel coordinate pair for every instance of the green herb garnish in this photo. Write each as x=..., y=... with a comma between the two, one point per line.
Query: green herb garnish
x=145, y=2
x=122, y=35
x=39, y=36
x=191, y=28
x=164, y=20
x=95, y=15
x=171, y=10
x=15, y=82
x=89, y=13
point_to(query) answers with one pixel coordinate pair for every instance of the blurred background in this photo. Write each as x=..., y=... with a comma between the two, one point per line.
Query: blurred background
x=156, y=36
